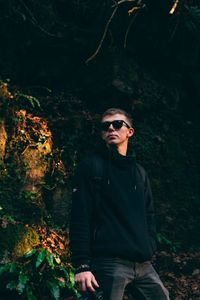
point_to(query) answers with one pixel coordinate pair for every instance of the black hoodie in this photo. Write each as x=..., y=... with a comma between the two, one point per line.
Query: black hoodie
x=121, y=222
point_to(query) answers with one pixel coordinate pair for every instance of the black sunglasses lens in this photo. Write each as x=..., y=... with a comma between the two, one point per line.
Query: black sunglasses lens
x=117, y=124
x=105, y=126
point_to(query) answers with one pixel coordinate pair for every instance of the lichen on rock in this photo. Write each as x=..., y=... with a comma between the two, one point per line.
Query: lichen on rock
x=17, y=240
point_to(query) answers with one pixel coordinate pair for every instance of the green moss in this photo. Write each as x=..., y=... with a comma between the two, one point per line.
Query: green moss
x=17, y=240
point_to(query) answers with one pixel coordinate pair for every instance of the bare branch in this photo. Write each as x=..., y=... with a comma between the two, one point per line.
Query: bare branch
x=134, y=10
x=175, y=28
x=103, y=37
x=34, y=21
x=122, y=1
x=177, y=19
x=172, y=10
x=128, y=29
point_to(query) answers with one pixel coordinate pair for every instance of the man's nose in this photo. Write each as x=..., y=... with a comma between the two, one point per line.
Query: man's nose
x=111, y=128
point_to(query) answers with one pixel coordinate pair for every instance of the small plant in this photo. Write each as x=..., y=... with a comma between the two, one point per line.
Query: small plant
x=38, y=275
x=167, y=243
x=32, y=100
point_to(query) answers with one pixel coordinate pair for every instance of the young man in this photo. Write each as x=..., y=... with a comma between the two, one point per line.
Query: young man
x=112, y=229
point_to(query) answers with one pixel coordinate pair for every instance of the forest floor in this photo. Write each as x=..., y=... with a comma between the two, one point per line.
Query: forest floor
x=180, y=273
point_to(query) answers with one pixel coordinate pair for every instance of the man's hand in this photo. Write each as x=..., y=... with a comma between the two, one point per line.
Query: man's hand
x=86, y=281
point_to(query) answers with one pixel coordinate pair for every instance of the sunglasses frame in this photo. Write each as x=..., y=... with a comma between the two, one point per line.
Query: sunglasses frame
x=108, y=123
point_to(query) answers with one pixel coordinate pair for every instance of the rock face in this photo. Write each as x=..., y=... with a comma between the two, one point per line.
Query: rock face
x=34, y=157
x=16, y=240
x=3, y=140
x=144, y=60
x=26, y=159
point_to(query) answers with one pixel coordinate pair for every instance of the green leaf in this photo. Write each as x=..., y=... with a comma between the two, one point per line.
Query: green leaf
x=65, y=271
x=40, y=258
x=10, y=219
x=54, y=289
x=12, y=285
x=33, y=101
x=4, y=269
x=61, y=281
x=29, y=294
x=13, y=267
x=22, y=282
x=30, y=253
x=71, y=278
x=50, y=259
x=57, y=259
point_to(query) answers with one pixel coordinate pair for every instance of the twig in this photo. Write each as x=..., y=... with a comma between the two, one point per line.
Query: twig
x=172, y=10
x=175, y=28
x=34, y=21
x=103, y=37
x=132, y=10
x=177, y=23
x=122, y=1
x=128, y=29
x=136, y=10
x=139, y=5
x=29, y=11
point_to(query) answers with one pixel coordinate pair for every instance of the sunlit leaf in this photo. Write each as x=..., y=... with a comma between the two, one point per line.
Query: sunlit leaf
x=57, y=259
x=30, y=253
x=71, y=277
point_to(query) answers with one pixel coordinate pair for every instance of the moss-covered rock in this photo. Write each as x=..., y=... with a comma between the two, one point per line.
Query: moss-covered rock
x=16, y=240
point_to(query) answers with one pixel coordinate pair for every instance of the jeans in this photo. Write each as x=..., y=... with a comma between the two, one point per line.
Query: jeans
x=114, y=274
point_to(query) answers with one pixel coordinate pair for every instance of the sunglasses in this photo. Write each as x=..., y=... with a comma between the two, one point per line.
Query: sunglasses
x=116, y=124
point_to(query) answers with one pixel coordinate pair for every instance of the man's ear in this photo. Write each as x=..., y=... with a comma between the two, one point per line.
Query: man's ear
x=131, y=132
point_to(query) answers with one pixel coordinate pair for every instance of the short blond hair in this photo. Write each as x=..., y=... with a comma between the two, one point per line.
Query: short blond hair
x=113, y=111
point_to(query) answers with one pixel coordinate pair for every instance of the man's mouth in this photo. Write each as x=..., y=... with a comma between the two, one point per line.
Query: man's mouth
x=111, y=136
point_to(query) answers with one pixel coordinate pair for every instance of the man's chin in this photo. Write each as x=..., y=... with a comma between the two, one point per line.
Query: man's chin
x=112, y=144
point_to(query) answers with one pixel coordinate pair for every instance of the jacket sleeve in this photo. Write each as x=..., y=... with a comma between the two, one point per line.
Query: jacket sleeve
x=150, y=213
x=81, y=217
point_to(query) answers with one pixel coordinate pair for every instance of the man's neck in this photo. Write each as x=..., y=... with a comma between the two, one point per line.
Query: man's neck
x=122, y=151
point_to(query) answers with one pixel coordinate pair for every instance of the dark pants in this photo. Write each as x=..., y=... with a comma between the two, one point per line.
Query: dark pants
x=114, y=274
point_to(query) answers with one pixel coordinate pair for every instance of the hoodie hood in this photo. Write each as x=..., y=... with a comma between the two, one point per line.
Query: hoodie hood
x=114, y=158
x=111, y=153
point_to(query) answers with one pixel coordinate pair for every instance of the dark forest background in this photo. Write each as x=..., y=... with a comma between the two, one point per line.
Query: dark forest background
x=62, y=63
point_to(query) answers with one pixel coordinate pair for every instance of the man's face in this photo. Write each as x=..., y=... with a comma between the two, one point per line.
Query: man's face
x=118, y=137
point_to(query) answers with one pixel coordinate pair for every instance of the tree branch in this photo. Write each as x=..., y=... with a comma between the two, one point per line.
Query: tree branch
x=134, y=10
x=34, y=21
x=122, y=1
x=172, y=10
x=128, y=29
x=103, y=37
